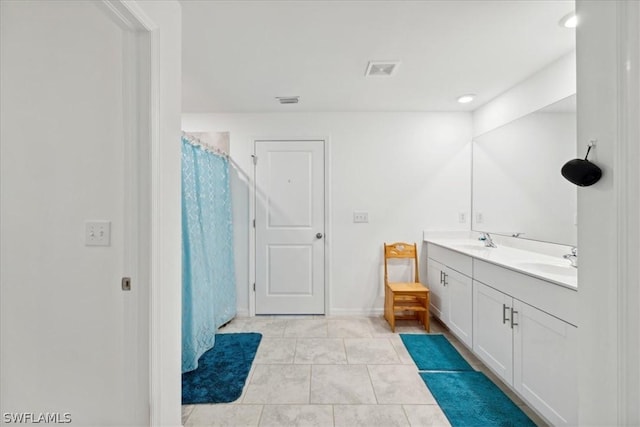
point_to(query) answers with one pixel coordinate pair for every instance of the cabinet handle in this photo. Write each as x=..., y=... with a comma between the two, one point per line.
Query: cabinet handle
x=504, y=313
x=445, y=279
x=513, y=313
x=441, y=277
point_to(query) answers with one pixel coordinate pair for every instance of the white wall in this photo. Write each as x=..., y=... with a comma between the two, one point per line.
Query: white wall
x=608, y=222
x=517, y=182
x=62, y=163
x=410, y=171
x=546, y=86
x=598, y=385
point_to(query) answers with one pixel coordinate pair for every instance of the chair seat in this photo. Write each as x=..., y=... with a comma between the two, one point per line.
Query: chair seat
x=399, y=287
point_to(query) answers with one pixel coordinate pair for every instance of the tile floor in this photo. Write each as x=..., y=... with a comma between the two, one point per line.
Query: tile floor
x=326, y=371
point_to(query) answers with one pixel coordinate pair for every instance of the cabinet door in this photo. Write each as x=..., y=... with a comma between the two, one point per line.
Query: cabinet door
x=459, y=305
x=437, y=294
x=492, y=333
x=545, y=368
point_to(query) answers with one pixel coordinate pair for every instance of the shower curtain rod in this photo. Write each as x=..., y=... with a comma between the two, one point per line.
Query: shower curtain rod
x=194, y=140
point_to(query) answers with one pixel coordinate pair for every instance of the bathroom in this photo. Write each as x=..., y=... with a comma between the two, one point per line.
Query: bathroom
x=417, y=172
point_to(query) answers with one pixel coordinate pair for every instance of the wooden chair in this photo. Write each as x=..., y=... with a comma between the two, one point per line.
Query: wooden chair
x=404, y=300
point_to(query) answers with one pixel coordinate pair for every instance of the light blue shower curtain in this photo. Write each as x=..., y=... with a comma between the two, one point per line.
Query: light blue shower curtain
x=208, y=276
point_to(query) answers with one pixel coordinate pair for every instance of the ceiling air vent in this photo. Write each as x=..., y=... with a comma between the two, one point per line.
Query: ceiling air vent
x=381, y=68
x=288, y=99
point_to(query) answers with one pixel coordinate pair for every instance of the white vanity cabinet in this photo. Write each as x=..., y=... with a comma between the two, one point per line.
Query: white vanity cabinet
x=531, y=348
x=435, y=283
x=450, y=290
x=521, y=325
x=492, y=330
x=545, y=368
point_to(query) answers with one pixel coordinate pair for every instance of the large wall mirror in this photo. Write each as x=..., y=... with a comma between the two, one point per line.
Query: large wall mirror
x=517, y=186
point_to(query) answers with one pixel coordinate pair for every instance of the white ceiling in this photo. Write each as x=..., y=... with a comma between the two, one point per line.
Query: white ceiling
x=239, y=55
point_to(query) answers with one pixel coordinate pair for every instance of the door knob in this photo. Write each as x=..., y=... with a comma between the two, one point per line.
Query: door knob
x=318, y=235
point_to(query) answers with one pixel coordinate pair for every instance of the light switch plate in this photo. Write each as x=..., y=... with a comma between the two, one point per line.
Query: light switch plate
x=361, y=217
x=97, y=233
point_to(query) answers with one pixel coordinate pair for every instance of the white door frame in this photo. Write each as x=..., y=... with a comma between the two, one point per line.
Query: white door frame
x=143, y=203
x=328, y=234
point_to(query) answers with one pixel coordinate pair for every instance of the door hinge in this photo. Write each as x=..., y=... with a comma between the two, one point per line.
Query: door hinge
x=255, y=159
x=254, y=286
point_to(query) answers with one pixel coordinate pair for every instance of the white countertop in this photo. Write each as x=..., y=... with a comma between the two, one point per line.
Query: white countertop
x=546, y=267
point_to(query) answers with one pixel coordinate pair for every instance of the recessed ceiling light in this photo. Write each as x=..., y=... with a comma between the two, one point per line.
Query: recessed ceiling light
x=570, y=20
x=381, y=68
x=465, y=99
x=288, y=99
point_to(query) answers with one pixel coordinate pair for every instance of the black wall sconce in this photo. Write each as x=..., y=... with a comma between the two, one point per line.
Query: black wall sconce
x=582, y=172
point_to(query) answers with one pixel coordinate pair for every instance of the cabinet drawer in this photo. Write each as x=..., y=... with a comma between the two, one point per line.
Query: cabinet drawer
x=546, y=296
x=452, y=259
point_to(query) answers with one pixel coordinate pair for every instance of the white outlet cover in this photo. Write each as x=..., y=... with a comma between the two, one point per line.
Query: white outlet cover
x=360, y=217
x=97, y=233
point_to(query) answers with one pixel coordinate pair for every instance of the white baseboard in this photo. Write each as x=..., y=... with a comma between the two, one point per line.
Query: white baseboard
x=333, y=312
x=373, y=312
x=242, y=312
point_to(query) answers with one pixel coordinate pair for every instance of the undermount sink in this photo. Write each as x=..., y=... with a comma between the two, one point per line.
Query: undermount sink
x=559, y=270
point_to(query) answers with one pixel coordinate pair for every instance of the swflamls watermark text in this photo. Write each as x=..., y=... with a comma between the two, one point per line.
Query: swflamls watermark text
x=36, y=417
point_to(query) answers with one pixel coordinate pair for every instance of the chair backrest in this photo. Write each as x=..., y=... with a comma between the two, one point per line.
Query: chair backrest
x=401, y=250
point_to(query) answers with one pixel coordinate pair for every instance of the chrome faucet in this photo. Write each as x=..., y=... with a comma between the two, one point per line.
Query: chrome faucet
x=572, y=257
x=486, y=238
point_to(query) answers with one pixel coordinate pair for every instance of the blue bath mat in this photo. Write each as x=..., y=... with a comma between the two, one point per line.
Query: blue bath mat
x=434, y=353
x=471, y=399
x=222, y=371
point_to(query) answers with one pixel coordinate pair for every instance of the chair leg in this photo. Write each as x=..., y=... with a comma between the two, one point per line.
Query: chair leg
x=388, y=309
x=392, y=314
x=427, y=322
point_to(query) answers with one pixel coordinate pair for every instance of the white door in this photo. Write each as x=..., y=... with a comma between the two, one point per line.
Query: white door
x=290, y=241
x=460, y=305
x=492, y=333
x=437, y=292
x=72, y=342
x=545, y=369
